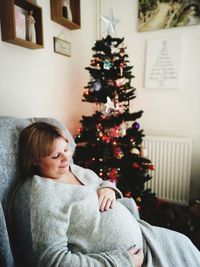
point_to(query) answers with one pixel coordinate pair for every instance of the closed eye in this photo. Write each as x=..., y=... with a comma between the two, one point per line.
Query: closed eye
x=55, y=156
x=58, y=154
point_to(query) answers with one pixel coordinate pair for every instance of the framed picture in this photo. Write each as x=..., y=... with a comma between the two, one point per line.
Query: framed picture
x=158, y=14
x=62, y=47
x=20, y=22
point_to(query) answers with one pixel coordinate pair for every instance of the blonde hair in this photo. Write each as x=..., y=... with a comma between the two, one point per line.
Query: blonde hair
x=36, y=142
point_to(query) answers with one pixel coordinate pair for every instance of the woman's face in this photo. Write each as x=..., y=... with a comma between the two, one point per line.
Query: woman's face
x=57, y=163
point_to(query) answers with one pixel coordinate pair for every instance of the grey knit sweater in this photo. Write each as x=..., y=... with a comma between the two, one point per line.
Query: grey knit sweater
x=61, y=225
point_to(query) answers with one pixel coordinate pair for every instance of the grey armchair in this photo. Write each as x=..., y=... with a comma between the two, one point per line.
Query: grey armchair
x=10, y=128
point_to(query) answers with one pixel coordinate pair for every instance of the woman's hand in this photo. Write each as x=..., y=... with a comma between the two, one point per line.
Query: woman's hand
x=137, y=256
x=106, y=198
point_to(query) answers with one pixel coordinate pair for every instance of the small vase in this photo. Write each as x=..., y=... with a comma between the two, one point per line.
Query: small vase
x=67, y=10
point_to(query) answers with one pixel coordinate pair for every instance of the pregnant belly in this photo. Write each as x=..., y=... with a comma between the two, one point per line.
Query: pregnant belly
x=106, y=231
x=99, y=232
x=118, y=228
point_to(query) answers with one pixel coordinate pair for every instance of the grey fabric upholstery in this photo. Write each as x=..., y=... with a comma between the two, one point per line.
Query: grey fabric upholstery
x=10, y=128
x=6, y=258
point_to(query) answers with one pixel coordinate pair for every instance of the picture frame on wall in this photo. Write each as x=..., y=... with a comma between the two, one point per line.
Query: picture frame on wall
x=20, y=22
x=156, y=14
x=62, y=47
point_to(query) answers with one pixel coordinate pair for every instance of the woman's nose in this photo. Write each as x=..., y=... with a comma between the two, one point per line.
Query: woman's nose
x=65, y=157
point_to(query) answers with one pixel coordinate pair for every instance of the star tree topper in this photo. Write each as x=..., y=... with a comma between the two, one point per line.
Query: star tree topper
x=110, y=23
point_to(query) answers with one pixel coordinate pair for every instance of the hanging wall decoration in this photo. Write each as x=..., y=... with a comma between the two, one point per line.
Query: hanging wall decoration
x=156, y=14
x=62, y=47
x=67, y=10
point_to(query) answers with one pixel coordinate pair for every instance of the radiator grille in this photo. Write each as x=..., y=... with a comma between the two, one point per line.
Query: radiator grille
x=171, y=157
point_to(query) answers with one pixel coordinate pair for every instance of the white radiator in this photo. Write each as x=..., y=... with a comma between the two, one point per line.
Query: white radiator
x=171, y=157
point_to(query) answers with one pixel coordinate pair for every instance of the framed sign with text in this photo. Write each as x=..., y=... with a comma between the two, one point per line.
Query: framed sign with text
x=62, y=47
x=163, y=62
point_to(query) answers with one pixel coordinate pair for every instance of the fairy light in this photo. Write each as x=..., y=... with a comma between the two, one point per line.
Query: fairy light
x=101, y=172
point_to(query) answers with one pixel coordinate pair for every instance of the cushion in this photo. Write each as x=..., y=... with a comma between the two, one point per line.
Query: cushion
x=6, y=258
x=9, y=133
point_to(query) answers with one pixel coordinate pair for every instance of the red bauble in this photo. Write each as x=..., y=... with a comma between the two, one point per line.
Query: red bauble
x=136, y=165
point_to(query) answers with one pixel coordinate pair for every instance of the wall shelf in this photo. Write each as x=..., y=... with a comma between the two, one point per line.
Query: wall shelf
x=8, y=22
x=57, y=14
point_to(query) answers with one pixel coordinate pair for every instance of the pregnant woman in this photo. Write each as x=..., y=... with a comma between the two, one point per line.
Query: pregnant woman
x=66, y=216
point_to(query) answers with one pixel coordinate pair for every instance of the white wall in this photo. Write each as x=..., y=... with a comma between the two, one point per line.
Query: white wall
x=43, y=83
x=169, y=112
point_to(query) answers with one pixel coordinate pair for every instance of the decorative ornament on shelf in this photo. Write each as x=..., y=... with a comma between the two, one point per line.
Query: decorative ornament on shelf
x=31, y=33
x=110, y=23
x=67, y=10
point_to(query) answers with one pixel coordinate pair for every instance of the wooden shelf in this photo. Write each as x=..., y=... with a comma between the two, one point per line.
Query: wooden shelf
x=57, y=16
x=8, y=22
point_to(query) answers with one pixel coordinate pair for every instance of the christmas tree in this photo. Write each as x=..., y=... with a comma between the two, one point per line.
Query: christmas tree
x=110, y=141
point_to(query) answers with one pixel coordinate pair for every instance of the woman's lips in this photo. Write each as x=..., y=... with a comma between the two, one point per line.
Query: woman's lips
x=64, y=166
